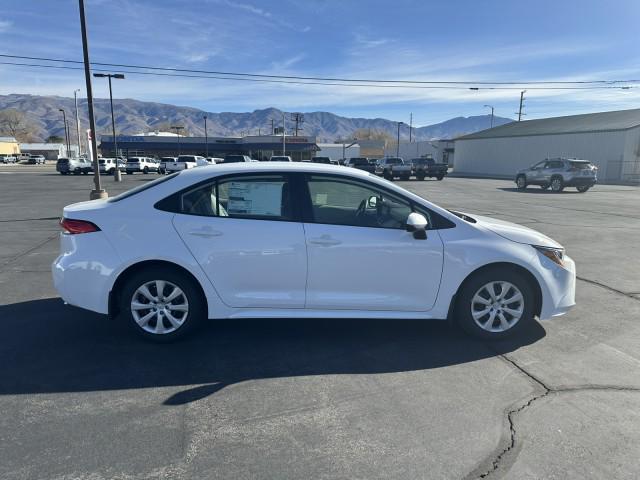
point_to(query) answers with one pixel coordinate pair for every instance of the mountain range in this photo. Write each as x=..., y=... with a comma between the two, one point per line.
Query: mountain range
x=134, y=116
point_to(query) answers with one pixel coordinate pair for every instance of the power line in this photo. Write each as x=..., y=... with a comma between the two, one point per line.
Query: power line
x=331, y=79
x=327, y=83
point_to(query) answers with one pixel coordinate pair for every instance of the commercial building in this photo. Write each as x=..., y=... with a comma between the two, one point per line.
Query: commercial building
x=9, y=146
x=258, y=147
x=337, y=151
x=50, y=151
x=611, y=140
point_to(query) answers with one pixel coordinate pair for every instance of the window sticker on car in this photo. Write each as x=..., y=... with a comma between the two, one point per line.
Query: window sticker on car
x=260, y=198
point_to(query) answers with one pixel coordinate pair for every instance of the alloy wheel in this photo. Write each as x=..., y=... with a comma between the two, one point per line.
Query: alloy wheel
x=159, y=307
x=497, y=306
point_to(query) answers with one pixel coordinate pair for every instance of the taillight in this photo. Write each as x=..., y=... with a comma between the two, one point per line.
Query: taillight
x=75, y=227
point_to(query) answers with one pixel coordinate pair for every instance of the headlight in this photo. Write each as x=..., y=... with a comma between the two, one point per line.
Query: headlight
x=556, y=255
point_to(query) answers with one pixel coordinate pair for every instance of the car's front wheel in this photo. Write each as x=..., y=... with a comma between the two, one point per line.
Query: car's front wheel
x=495, y=304
x=162, y=304
x=521, y=182
x=557, y=185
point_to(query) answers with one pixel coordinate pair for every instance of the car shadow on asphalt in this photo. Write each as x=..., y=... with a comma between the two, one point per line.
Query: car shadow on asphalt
x=47, y=347
x=536, y=190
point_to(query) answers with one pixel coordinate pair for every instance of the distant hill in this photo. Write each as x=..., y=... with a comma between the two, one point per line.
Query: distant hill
x=134, y=116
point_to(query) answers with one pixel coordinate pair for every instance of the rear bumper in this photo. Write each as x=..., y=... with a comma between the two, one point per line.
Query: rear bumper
x=83, y=271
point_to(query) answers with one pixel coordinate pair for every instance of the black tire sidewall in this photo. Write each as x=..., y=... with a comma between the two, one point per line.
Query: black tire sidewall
x=561, y=184
x=462, y=312
x=197, y=304
x=524, y=184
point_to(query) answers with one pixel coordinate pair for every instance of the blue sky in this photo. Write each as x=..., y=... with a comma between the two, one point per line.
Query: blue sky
x=415, y=40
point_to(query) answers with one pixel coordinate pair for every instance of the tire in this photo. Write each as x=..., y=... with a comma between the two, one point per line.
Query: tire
x=405, y=178
x=112, y=171
x=583, y=188
x=557, y=184
x=477, y=285
x=85, y=172
x=440, y=177
x=129, y=173
x=387, y=175
x=76, y=171
x=521, y=182
x=145, y=170
x=545, y=186
x=191, y=298
x=420, y=177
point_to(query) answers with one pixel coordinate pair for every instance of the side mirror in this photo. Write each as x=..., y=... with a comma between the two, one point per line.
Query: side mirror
x=417, y=224
x=372, y=202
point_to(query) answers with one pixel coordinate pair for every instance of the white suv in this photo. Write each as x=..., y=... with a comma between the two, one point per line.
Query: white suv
x=141, y=164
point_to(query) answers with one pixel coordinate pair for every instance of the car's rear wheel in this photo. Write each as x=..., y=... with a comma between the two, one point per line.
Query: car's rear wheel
x=544, y=186
x=440, y=177
x=521, y=182
x=557, y=185
x=583, y=188
x=387, y=175
x=76, y=171
x=145, y=170
x=112, y=171
x=495, y=304
x=162, y=304
x=420, y=177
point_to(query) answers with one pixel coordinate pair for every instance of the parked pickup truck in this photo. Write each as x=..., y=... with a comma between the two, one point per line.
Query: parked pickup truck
x=183, y=162
x=393, y=167
x=361, y=163
x=427, y=167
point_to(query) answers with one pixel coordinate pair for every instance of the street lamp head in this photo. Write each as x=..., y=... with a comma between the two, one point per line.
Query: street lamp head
x=489, y=106
x=61, y=110
x=99, y=75
x=118, y=76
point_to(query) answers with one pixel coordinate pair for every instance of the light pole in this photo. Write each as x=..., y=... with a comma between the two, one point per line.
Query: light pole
x=177, y=128
x=283, y=134
x=345, y=146
x=66, y=131
x=97, y=192
x=75, y=101
x=491, y=107
x=119, y=76
x=398, y=146
x=206, y=138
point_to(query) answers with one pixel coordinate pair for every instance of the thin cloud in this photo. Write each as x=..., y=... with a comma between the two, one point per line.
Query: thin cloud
x=5, y=25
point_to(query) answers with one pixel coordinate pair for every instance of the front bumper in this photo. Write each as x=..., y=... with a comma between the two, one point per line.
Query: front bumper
x=558, y=287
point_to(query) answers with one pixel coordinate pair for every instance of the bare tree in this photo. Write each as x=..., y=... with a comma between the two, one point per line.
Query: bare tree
x=368, y=134
x=15, y=124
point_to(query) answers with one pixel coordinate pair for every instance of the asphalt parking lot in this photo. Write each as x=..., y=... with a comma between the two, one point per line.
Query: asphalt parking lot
x=81, y=398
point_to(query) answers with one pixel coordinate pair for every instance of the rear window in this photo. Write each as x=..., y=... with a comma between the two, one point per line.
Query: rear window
x=133, y=160
x=142, y=188
x=63, y=160
x=581, y=165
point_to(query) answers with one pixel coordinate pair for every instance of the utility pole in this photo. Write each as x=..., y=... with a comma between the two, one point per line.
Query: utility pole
x=410, y=125
x=491, y=107
x=273, y=130
x=97, y=192
x=66, y=130
x=177, y=128
x=520, y=114
x=206, y=138
x=75, y=100
x=119, y=76
x=298, y=118
x=283, y=137
x=398, y=146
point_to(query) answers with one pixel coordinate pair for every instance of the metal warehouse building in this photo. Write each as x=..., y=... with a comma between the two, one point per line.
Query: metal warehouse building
x=611, y=140
x=258, y=147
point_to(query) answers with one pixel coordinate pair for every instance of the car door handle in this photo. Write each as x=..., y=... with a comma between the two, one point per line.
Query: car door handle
x=325, y=241
x=205, y=233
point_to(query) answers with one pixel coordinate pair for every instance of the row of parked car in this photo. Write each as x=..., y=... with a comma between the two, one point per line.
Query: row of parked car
x=388, y=167
x=30, y=159
x=396, y=167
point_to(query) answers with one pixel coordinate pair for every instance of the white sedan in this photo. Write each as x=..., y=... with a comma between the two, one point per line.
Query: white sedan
x=249, y=240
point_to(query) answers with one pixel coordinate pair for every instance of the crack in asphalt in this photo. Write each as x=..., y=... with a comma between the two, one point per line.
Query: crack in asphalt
x=497, y=460
x=26, y=252
x=607, y=287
